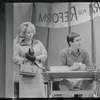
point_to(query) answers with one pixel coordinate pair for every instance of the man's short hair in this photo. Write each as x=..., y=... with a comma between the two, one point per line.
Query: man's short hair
x=71, y=36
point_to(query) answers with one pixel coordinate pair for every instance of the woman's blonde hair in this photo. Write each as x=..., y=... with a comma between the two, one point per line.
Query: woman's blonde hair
x=23, y=28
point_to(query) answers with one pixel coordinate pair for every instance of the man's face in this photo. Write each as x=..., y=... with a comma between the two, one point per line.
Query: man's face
x=77, y=42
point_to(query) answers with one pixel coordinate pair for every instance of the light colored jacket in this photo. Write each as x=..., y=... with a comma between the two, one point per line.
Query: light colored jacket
x=22, y=48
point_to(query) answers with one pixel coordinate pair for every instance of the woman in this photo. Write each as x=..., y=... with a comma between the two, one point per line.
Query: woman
x=30, y=87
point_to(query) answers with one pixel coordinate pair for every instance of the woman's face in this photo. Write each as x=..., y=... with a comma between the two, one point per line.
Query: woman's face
x=29, y=33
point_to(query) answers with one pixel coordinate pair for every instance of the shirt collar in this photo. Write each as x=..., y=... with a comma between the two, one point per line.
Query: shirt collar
x=23, y=43
x=71, y=52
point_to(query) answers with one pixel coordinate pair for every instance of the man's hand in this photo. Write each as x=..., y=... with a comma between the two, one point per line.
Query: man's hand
x=82, y=66
x=78, y=66
x=75, y=67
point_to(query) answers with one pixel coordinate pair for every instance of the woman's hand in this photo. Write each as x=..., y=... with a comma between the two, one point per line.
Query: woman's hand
x=30, y=58
x=44, y=69
x=25, y=61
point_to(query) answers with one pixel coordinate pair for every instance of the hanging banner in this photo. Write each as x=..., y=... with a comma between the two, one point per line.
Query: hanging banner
x=55, y=15
x=80, y=14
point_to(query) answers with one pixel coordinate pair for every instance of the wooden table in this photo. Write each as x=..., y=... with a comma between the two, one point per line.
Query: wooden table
x=69, y=74
x=51, y=76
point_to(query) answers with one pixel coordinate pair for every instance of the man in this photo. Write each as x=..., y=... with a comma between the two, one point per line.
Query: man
x=75, y=58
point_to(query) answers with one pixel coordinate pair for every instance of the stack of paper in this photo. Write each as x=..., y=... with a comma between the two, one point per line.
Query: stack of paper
x=59, y=68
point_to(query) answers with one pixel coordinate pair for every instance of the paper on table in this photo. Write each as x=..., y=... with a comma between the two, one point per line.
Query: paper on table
x=59, y=68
